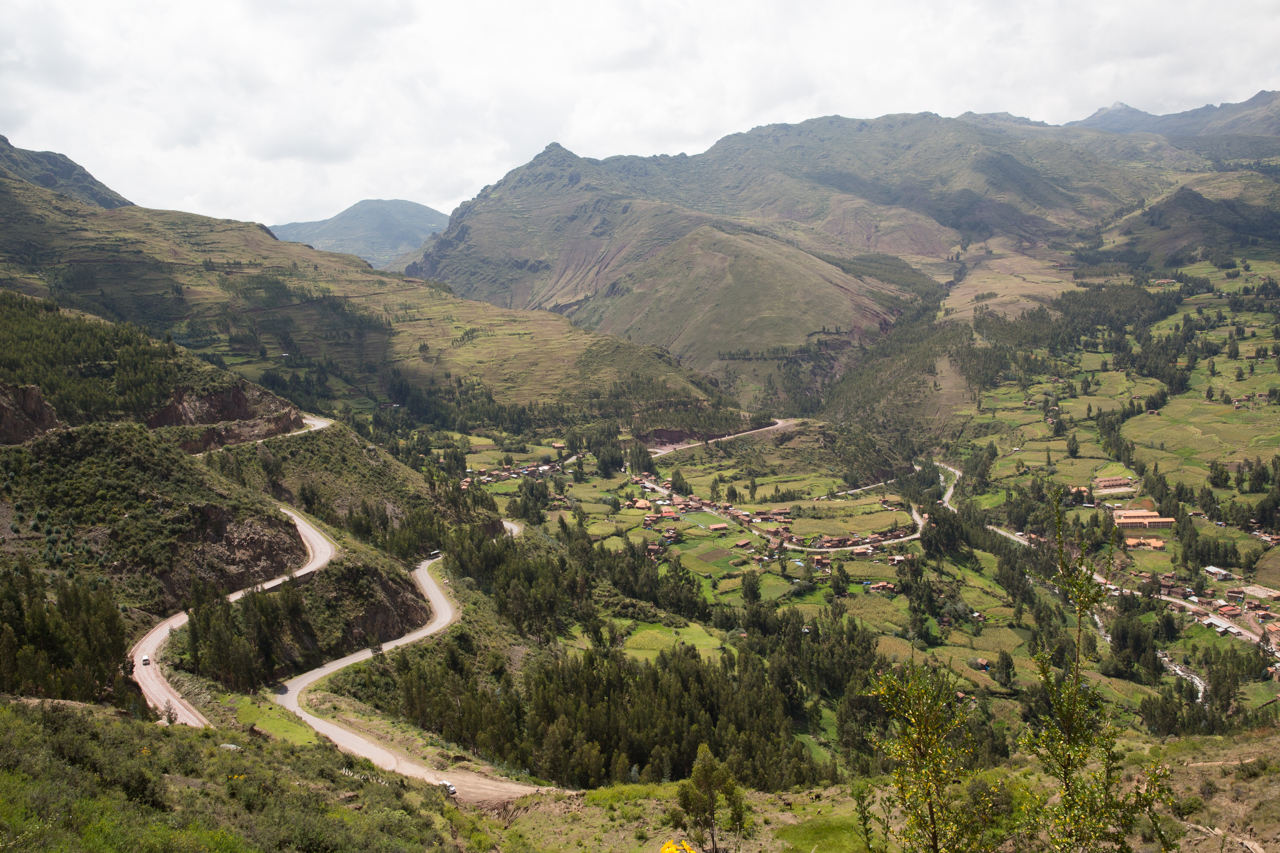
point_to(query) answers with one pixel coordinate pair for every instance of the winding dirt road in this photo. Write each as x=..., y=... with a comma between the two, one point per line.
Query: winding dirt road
x=783, y=425
x=155, y=688
x=472, y=787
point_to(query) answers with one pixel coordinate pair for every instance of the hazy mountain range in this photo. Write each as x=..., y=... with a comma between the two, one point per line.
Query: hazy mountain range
x=1258, y=116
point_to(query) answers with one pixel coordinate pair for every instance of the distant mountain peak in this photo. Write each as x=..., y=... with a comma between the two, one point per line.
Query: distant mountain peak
x=1258, y=116
x=377, y=230
x=1001, y=117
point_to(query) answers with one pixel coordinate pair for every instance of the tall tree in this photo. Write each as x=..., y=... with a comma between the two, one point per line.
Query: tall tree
x=928, y=754
x=709, y=794
x=1075, y=741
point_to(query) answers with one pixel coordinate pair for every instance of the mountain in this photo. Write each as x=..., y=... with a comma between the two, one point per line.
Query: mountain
x=733, y=247
x=275, y=310
x=59, y=173
x=1258, y=116
x=374, y=229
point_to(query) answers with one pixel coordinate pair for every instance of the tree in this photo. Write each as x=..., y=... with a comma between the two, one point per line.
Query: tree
x=928, y=753
x=751, y=587
x=1073, y=446
x=641, y=460
x=943, y=533
x=751, y=487
x=840, y=580
x=711, y=791
x=1075, y=741
x=678, y=483
x=1003, y=671
x=272, y=467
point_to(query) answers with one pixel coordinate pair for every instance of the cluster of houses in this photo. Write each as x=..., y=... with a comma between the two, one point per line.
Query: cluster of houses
x=1233, y=604
x=508, y=472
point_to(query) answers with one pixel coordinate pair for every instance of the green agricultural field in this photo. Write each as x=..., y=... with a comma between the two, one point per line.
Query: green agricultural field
x=649, y=639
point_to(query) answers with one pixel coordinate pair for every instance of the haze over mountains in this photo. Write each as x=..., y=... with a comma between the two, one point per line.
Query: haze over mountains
x=376, y=230
x=1258, y=116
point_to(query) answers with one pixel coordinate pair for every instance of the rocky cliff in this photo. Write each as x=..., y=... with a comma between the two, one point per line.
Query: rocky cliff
x=24, y=414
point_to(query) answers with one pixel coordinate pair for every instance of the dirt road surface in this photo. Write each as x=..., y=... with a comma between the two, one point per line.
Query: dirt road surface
x=472, y=787
x=781, y=426
x=155, y=688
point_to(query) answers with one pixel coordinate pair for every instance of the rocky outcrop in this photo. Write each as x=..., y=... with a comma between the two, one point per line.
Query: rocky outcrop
x=240, y=402
x=24, y=414
x=240, y=432
x=230, y=553
x=352, y=604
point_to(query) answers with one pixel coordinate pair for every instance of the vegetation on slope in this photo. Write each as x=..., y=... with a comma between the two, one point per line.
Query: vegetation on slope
x=74, y=779
x=320, y=328
x=58, y=173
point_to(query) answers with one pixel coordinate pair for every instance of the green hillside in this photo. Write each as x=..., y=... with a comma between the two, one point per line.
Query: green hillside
x=705, y=252
x=376, y=230
x=114, y=518
x=273, y=310
x=59, y=173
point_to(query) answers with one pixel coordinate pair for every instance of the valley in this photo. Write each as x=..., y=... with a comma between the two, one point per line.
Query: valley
x=731, y=499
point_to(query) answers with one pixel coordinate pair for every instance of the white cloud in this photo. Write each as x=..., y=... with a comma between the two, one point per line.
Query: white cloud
x=279, y=111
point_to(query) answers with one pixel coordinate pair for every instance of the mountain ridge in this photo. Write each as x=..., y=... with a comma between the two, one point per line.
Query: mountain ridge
x=1258, y=116
x=589, y=238
x=59, y=173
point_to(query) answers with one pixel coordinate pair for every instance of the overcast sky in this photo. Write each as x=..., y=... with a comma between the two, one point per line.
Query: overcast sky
x=285, y=110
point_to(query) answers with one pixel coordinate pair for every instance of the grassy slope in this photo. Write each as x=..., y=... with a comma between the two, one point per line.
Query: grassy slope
x=59, y=173
x=146, y=266
x=76, y=779
x=600, y=239
x=1206, y=210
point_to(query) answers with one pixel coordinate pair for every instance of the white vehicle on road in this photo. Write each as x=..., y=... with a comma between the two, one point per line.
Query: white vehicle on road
x=449, y=790
x=146, y=660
